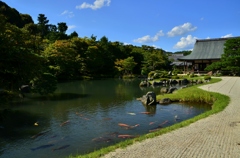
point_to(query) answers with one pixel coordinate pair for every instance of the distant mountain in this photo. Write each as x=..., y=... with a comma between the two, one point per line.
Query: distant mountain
x=13, y=17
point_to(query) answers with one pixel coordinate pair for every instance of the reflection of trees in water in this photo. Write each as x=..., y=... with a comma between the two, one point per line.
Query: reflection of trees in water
x=59, y=96
x=150, y=108
x=17, y=124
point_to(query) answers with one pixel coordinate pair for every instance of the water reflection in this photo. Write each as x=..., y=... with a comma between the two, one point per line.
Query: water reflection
x=83, y=116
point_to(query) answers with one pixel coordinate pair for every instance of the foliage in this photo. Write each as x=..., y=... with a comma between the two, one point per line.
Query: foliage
x=185, y=52
x=13, y=16
x=18, y=63
x=175, y=77
x=125, y=65
x=44, y=84
x=207, y=77
x=62, y=59
x=231, y=56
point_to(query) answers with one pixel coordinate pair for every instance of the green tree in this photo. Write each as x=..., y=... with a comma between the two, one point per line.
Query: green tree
x=18, y=62
x=63, y=60
x=43, y=24
x=62, y=27
x=231, y=56
x=44, y=84
x=125, y=65
x=73, y=34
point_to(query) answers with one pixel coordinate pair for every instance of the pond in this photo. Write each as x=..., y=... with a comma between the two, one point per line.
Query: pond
x=83, y=116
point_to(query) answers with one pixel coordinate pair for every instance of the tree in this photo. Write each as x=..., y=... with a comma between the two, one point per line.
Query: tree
x=62, y=27
x=125, y=65
x=42, y=24
x=18, y=62
x=73, y=34
x=63, y=60
x=44, y=84
x=231, y=56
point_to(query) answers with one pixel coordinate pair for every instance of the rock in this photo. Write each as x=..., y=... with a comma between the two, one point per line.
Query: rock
x=185, y=81
x=210, y=73
x=199, y=81
x=165, y=101
x=164, y=90
x=144, y=84
x=157, y=83
x=149, y=98
x=25, y=89
x=171, y=89
x=171, y=81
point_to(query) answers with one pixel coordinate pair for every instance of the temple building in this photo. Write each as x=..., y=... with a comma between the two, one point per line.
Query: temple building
x=205, y=52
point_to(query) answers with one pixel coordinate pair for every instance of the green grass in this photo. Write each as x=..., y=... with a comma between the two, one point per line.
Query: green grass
x=193, y=94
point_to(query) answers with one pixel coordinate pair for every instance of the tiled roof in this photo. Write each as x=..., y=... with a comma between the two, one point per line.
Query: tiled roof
x=207, y=49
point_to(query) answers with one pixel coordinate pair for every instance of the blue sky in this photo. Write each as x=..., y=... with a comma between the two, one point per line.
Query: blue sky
x=172, y=25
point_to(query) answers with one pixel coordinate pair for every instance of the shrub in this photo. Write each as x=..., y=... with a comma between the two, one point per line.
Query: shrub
x=175, y=77
x=191, y=75
x=207, y=77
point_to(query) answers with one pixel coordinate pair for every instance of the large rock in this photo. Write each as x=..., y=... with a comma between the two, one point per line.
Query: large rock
x=25, y=89
x=185, y=81
x=149, y=99
x=164, y=90
x=157, y=83
x=171, y=89
x=144, y=84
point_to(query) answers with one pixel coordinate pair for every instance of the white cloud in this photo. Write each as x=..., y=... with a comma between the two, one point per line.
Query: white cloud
x=181, y=29
x=148, y=38
x=96, y=4
x=67, y=13
x=185, y=42
x=228, y=35
x=71, y=27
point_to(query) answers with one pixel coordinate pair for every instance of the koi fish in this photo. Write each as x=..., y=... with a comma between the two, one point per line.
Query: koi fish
x=127, y=126
x=123, y=125
x=102, y=139
x=164, y=123
x=151, y=123
x=126, y=136
x=145, y=112
x=64, y=123
x=39, y=134
x=62, y=147
x=155, y=129
x=42, y=147
x=79, y=114
x=107, y=119
x=131, y=113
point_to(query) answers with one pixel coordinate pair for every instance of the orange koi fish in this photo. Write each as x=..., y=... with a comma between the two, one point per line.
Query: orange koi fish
x=64, y=123
x=145, y=112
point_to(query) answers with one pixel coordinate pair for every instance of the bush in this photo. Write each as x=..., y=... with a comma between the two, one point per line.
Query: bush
x=191, y=75
x=207, y=77
x=175, y=77
x=44, y=84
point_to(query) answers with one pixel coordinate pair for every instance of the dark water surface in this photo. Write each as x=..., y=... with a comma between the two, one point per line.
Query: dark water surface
x=83, y=116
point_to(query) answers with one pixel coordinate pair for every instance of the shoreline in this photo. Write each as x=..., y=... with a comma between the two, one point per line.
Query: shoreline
x=214, y=136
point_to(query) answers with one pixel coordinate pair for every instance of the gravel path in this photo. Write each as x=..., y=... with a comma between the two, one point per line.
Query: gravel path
x=217, y=136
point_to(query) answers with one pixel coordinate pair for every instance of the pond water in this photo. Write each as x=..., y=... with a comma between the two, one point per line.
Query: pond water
x=83, y=116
